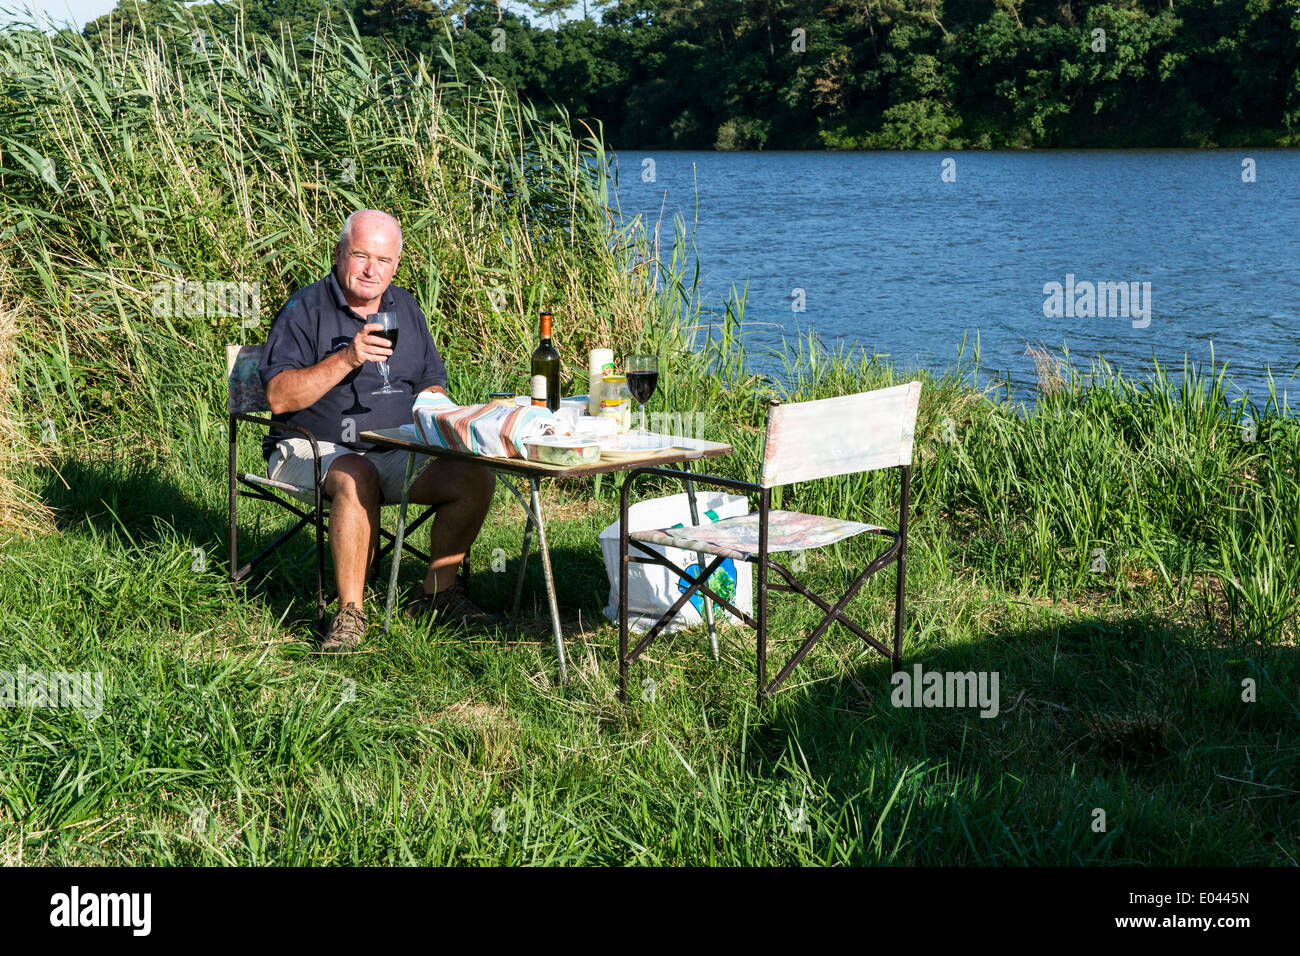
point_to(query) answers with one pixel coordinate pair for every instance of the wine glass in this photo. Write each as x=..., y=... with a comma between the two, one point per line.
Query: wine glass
x=389, y=331
x=642, y=377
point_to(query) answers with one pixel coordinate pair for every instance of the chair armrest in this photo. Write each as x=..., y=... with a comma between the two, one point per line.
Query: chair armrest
x=746, y=486
x=271, y=423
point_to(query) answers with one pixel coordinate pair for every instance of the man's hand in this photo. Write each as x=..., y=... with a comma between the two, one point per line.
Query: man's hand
x=297, y=388
x=365, y=347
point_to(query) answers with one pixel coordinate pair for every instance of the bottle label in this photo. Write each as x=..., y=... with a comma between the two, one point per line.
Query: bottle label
x=539, y=389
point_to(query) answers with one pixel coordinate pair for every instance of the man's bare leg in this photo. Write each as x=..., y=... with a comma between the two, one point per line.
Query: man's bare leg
x=353, y=486
x=460, y=493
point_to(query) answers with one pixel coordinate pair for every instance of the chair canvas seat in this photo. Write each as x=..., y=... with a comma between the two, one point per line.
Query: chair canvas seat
x=737, y=538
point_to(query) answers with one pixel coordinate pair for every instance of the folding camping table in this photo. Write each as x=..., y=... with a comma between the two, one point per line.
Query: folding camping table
x=405, y=438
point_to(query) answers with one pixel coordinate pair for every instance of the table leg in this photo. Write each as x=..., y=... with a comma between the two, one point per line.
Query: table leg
x=523, y=566
x=533, y=508
x=528, y=534
x=401, y=535
x=700, y=562
x=550, y=579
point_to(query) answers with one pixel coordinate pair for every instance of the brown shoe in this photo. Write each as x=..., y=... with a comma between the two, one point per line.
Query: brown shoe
x=450, y=606
x=347, y=631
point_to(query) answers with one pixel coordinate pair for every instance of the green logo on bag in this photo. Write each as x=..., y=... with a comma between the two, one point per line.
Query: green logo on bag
x=710, y=514
x=722, y=581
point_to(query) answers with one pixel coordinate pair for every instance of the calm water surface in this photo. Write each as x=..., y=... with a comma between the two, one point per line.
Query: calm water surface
x=891, y=257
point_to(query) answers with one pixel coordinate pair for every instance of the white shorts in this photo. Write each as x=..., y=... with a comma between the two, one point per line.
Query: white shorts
x=292, y=462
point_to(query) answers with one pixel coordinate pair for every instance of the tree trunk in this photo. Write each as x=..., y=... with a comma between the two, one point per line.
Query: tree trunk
x=767, y=19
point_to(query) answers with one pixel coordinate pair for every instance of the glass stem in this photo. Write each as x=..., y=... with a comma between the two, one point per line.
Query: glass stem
x=643, y=428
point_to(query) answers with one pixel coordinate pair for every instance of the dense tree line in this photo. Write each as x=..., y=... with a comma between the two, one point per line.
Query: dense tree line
x=921, y=74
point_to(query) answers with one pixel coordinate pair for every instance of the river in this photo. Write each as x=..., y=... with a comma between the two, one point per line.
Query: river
x=1179, y=251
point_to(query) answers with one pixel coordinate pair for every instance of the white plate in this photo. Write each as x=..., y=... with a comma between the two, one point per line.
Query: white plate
x=636, y=443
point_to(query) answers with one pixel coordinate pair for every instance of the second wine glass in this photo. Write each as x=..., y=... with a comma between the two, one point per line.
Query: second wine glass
x=642, y=378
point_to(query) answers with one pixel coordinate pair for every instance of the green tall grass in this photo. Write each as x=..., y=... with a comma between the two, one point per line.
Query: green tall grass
x=227, y=740
x=227, y=160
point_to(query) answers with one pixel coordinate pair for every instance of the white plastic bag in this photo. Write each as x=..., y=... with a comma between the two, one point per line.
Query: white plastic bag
x=653, y=589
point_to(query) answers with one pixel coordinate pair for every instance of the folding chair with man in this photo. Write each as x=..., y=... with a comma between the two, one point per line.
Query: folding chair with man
x=805, y=441
x=245, y=395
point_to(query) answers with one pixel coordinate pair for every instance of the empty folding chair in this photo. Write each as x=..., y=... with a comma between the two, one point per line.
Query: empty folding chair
x=805, y=441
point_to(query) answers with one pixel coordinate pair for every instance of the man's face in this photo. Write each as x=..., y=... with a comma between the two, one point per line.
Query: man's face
x=365, y=261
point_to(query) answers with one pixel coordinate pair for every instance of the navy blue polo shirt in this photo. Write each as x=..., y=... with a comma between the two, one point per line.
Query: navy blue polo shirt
x=316, y=322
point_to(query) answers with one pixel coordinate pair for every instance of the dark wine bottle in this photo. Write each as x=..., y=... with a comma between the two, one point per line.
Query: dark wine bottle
x=545, y=381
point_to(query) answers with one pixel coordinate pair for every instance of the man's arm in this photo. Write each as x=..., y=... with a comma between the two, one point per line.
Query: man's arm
x=297, y=388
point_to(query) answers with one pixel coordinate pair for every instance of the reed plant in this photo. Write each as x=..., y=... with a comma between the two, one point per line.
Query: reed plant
x=21, y=512
x=202, y=153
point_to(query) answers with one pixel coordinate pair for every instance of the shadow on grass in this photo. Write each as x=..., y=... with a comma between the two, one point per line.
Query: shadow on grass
x=118, y=497
x=1189, y=745
x=580, y=583
x=1123, y=690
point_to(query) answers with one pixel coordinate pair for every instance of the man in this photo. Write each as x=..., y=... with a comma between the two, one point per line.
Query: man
x=320, y=367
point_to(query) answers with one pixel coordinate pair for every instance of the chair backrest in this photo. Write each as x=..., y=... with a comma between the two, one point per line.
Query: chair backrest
x=840, y=436
x=244, y=391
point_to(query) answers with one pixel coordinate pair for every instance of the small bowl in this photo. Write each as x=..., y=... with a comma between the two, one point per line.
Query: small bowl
x=563, y=451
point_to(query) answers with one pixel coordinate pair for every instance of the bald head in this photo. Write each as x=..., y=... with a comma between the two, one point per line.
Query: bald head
x=366, y=257
x=365, y=221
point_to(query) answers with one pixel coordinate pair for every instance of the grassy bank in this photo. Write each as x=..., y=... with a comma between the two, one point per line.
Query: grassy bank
x=226, y=739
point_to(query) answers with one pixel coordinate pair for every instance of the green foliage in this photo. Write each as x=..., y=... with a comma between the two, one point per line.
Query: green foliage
x=888, y=74
x=229, y=160
x=917, y=124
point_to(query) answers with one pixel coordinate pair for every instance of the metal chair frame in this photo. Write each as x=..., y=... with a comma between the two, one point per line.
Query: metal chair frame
x=895, y=553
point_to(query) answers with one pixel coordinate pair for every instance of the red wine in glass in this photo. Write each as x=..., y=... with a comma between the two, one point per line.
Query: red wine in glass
x=389, y=331
x=642, y=385
x=642, y=378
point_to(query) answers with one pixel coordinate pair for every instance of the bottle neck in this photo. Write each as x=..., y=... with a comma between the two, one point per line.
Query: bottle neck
x=546, y=328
